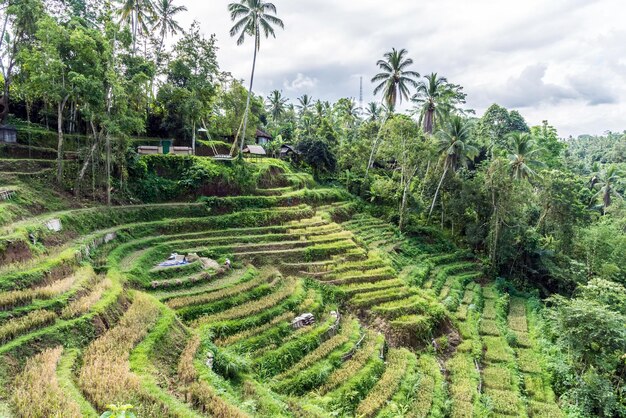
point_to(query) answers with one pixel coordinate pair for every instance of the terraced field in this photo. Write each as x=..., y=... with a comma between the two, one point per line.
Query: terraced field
x=402, y=327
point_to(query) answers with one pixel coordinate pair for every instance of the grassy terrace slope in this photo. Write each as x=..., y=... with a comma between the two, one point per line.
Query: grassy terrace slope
x=87, y=319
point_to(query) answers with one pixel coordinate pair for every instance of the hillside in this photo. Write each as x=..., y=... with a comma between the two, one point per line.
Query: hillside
x=404, y=325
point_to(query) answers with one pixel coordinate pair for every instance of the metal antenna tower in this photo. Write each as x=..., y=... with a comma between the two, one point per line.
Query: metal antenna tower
x=361, y=93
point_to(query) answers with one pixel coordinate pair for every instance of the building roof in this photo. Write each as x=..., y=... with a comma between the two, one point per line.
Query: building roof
x=263, y=134
x=254, y=150
x=287, y=148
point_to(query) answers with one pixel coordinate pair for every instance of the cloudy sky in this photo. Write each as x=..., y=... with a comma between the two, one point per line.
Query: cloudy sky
x=560, y=60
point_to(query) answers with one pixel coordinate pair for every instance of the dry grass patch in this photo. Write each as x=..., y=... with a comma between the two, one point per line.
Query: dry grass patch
x=19, y=326
x=83, y=304
x=105, y=377
x=37, y=393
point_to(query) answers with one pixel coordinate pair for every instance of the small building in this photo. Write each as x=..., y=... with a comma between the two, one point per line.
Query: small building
x=254, y=150
x=262, y=137
x=149, y=149
x=181, y=151
x=8, y=134
x=288, y=151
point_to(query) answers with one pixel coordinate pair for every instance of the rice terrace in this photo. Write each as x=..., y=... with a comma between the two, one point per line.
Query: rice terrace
x=176, y=241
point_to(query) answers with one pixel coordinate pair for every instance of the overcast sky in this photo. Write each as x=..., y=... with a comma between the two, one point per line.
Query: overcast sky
x=560, y=60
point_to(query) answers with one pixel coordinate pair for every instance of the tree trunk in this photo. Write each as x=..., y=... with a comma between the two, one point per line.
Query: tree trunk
x=108, y=167
x=60, y=107
x=245, y=115
x=428, y=122
x=88, y=159
x=432, y=206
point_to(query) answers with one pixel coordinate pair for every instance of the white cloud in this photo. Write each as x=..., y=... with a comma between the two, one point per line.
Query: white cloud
x=300, y=83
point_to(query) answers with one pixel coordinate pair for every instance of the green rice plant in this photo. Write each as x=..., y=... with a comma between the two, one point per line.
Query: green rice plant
x=517, y=315
x=288, y=353
x=388, y=383
x=266, y=338
x=489, y=310
x=372, y=345
x=498, y=376
x=370, y=276
x=21, y=325
x=366, y=300
x=523, y=340
x=190, y=313
x=322, y=251
x=248, y=286
x=489, y=327
x=420, y=324
x=290, y=287
x=505, y=402
x=349, y=331
x=352, y=289
x=529, y=361
x=443, y=273
x=232, y=277
x=537, y=388
x=497, y=350
x=37, y=392
x=248, y=333
x=490, y=292
x=347, y=397
x=544, y=410
x=421, y=303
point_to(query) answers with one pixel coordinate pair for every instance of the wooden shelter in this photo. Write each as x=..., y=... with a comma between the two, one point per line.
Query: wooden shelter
x=254, y=150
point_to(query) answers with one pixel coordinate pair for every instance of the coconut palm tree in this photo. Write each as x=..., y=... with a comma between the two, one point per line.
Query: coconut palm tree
x=139, y=14
x=395, y=80
x=252, y=18
x=453, y=146
x=276, y=104
x=165, y=20
x=523, y=155
x=305, y=104
x=435, y=99
x=606, y=183
x=373, y=111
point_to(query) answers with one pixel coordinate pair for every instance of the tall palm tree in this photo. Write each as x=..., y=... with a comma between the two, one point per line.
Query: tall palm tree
x=276, y=104
x=523, y=155
x=395, y=79
x=139, y=14
x=454, y=147
x=165, y=20
x=252, y=17
x=373, y=111
x=606, y=183
x=320, y=111
x=435, y=98
x=305, y=103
